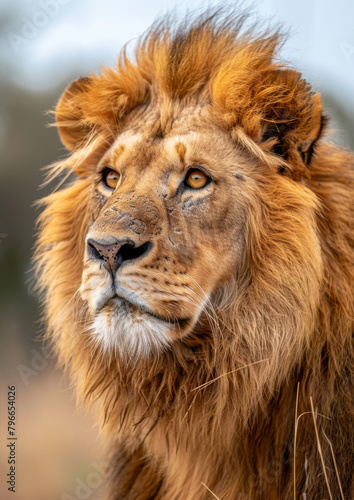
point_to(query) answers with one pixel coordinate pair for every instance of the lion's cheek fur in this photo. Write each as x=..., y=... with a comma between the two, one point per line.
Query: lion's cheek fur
x=96, y=287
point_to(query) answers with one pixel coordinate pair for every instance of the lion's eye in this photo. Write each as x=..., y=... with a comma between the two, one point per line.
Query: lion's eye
x=110, y=178
x=196, y=179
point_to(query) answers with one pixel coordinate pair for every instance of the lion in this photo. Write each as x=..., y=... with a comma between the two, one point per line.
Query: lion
x=197, y=269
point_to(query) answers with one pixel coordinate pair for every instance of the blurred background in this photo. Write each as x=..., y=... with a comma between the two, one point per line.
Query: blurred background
x=44, y=44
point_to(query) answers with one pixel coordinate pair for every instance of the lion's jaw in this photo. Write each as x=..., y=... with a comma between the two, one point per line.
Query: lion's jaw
x=123, y=320
x=194, y=240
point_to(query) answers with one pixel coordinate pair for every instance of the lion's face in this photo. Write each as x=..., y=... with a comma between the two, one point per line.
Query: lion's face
x=167, y=231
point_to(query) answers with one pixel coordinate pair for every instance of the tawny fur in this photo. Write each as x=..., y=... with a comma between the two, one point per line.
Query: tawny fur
x=218, y=409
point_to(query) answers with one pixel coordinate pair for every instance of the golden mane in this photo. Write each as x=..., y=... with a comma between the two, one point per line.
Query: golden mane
x=225, y=402
x=210, y=59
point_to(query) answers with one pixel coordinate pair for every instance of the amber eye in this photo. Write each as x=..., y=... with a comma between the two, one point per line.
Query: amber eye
x=110, y=178
x=196, y=179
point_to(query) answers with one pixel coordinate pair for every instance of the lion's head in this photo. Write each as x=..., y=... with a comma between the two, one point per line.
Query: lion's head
x=189, y=244
x=185, y=176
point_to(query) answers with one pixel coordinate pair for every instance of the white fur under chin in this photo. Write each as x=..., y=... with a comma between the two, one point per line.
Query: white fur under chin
x=128, y=336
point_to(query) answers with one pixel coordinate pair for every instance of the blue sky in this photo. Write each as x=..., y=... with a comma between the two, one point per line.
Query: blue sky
x=50, y=40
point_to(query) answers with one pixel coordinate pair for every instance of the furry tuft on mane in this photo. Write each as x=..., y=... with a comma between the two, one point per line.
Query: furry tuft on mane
x=222, y=406
x=208, y=59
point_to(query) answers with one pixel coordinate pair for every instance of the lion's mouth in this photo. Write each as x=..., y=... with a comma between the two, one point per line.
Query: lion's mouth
x=136, y=306
x=170, y=319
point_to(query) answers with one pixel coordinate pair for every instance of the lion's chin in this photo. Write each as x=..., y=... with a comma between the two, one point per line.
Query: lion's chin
x=129, y=332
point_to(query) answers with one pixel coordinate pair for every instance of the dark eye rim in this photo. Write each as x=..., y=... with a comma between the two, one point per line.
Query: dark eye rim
x=199, y=169
x=104, y=172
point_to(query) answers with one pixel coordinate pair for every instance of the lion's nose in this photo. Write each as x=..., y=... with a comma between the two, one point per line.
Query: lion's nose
x=113, y=255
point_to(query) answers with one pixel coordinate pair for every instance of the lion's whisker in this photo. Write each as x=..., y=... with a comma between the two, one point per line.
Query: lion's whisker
x=202, y=386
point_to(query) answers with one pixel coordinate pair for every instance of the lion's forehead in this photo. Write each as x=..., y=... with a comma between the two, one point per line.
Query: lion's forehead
x=128, y=138
x=173, y=147
x=190, y=132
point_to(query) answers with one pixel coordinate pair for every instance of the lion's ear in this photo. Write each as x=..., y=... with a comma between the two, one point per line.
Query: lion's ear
x=310, y=129
x=294, y=120
x=70, y=119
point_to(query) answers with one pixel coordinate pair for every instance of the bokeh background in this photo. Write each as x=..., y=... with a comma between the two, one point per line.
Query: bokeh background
x=44, y=44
